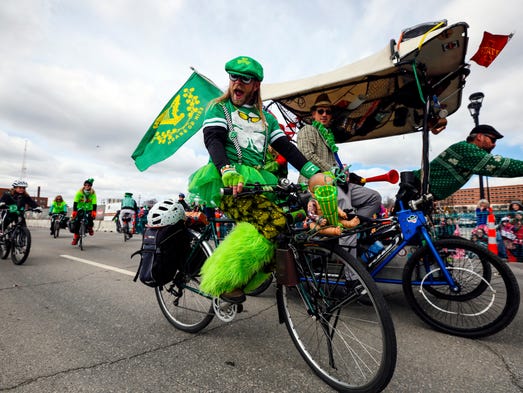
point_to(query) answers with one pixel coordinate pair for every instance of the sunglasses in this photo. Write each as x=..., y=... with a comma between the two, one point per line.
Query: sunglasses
x=322, y=111
x=251, y=119
x=492, y=139
x=243, y=79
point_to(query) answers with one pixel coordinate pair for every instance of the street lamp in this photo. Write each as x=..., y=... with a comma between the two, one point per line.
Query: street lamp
x=476, y=100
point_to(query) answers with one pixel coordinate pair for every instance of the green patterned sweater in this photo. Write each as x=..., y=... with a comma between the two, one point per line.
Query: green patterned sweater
x=455, y=166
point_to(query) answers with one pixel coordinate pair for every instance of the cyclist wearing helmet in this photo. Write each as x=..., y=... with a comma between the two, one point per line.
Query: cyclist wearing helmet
x=18, y=198
x=181, y=200
x=84, y=200
x=166, y=212
x=129, y=206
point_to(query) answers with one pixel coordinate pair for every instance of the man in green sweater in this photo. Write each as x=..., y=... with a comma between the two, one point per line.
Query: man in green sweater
x=450, y=170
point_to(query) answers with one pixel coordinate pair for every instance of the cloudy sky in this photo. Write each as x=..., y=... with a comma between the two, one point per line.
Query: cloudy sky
x=82, y=81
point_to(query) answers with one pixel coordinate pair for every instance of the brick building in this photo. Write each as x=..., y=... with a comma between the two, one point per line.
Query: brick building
x=500, y=197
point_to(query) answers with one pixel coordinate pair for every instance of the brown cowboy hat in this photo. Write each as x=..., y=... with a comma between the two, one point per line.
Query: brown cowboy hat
x=321, y=100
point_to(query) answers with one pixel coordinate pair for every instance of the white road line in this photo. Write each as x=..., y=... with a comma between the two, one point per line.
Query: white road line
x=101, y=265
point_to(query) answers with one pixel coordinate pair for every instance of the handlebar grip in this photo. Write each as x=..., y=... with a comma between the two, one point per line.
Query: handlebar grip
x=226, y=191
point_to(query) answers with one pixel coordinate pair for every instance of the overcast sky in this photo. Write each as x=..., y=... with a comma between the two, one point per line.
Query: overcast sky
x=82, y=81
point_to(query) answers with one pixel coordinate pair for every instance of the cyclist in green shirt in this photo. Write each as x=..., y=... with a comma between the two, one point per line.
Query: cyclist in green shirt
x=84, y=200
x=57, y=207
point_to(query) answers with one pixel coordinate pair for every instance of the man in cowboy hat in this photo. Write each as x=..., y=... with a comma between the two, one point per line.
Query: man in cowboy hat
x=316, y=142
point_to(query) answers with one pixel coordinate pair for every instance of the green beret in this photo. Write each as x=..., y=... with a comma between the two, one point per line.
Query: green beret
x=245, y=66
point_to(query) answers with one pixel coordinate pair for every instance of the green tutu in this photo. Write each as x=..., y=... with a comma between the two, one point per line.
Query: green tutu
x=205, y=183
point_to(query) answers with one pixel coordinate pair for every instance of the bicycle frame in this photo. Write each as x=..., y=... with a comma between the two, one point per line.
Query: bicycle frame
x=413, y=228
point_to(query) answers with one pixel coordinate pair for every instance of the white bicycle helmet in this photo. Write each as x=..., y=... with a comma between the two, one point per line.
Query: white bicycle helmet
x=166, y=212
x=20, y=183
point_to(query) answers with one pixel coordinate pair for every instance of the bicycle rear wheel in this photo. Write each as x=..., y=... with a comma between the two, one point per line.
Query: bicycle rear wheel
x=21, y=245
x=350, y=346
x=487, y=296
x=125, y=230
x=181, y=301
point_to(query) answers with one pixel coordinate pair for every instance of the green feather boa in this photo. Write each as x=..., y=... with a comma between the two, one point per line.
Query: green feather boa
x=237, y=262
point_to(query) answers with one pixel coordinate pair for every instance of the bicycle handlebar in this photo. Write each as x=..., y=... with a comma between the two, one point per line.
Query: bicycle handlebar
x=414, y=204
x=284, y=186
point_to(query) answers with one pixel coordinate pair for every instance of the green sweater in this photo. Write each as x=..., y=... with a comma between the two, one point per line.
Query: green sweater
x=455, y=166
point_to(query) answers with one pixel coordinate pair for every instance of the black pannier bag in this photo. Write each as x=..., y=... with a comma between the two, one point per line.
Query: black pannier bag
x=164, y=250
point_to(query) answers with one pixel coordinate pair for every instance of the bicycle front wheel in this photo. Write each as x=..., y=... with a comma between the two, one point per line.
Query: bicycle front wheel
x=21, y=245
x=181, y=301
x=5, y=246
x=81, y=232
x=350, y=346
x=56, y=228
x=486, y=297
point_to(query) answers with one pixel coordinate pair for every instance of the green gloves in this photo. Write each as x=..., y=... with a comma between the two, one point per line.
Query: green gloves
x=230, y=177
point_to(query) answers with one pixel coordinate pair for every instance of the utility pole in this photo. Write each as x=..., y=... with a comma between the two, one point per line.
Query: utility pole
x=23, y=172
x=476, y=100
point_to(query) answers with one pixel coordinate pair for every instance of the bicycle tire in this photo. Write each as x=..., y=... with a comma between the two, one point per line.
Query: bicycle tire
x=125, y=230
x=56, y=228
x=181, y=301
x=350, y=346
x=21, y=245
x=5, y=246
x=81, y=232
x=262, y=288
x=488, y=297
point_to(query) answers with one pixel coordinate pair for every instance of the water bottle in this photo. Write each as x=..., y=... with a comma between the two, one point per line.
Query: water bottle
x=374, y=249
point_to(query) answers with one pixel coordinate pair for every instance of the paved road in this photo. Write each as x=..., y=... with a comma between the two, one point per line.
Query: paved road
x=68, y=325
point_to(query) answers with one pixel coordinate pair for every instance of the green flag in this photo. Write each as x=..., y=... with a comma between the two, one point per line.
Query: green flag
x=178, y=121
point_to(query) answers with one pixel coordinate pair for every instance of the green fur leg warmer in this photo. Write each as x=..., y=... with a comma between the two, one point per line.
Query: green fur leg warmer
x=236, y=260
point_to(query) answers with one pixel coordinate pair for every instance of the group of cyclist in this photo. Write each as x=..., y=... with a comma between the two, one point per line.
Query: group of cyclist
x=238, y=142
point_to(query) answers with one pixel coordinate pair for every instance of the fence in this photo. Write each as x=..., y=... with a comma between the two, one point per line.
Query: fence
x=464, y=225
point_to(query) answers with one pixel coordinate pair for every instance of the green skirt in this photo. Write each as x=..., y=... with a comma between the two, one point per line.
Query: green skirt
x=205, y=183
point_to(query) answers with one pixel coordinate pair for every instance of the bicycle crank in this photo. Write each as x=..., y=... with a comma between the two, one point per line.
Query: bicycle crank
x=225, y=311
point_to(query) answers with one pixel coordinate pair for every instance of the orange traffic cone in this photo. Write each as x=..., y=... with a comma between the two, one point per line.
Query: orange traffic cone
x=491, y=233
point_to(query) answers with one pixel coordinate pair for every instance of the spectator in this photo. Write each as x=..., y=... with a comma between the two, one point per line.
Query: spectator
x=508, y=237
x=482, y=212
x=482, y=237
x=517, y=228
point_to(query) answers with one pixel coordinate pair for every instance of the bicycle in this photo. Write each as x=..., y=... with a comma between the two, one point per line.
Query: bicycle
x=452, y=284
x=83, y=222
x=56, y=220
x=351, y=347
x=126, y=227
x=15, y=237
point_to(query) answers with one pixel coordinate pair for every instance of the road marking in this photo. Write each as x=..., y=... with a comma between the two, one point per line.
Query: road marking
x=114, y=269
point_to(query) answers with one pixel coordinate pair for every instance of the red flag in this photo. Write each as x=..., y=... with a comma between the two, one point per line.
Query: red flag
x=489, y=48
